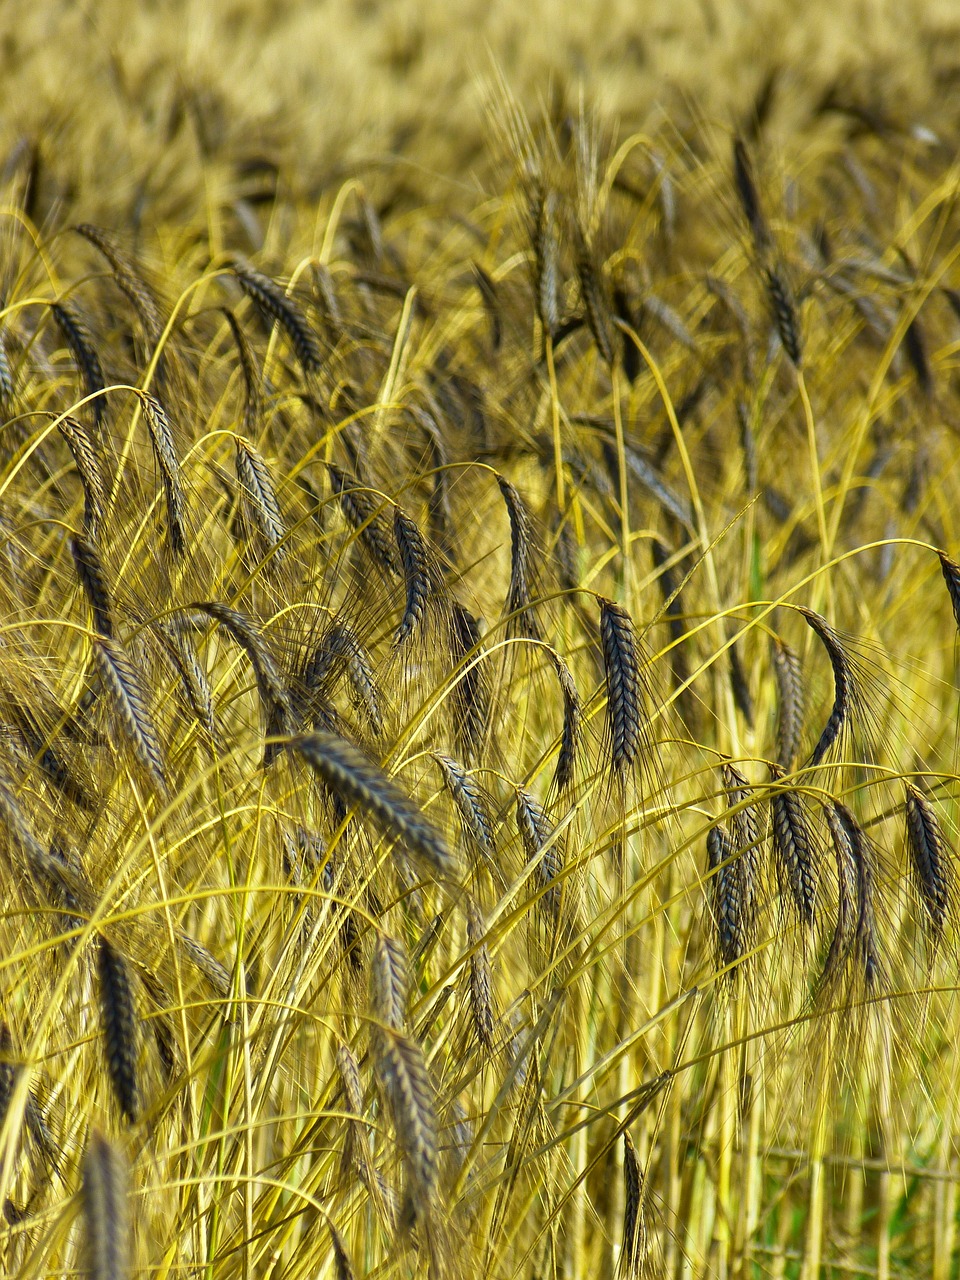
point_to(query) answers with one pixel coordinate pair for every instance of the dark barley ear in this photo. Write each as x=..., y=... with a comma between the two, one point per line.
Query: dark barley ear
x=673, y=610
x=729, y=917
x=349, y=1071
x=572, y=733
x=87, y=461
x=402, y=1071
x=740, y=685
x=78, y=339
x=57, y=769
x=129, y=703
x=259, y=497
x=622, y=676
x=748, y=830
x=357, y=780
x=120, y=1024
x=634, y=1247
x=541, y=845
x=106, y=1191
x=856, y=931
x=252, y=400
x=546, y=256
x=439, y=513
x=794, y=850
x=64, y=883
x=930, y=863
x=206, y=962
x=915, y=347
x=340, y=652
x=271, y=687
x=93, y=579
x=783, y=307
x=843, y=684
x=471, y=696
x=470, y=802
x=161, y=1025
x=128, y=279
x=749, y=197
x=389, y=982
x=168, y=464
x=841, y=942
x=786, y=666
x=275, y=303
x=951, y=576
x=417, y=575
x=491, y=304
x=595, y=303
x=522, y=620
x=50, y=1151
x=341, y=1259
x=363, y=512
x=8, y=386
x=193, y=679
x=865, y=936
x=481, y=1006
x=8, y=1070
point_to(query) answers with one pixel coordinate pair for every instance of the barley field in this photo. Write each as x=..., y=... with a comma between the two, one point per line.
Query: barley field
x=479, y=605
